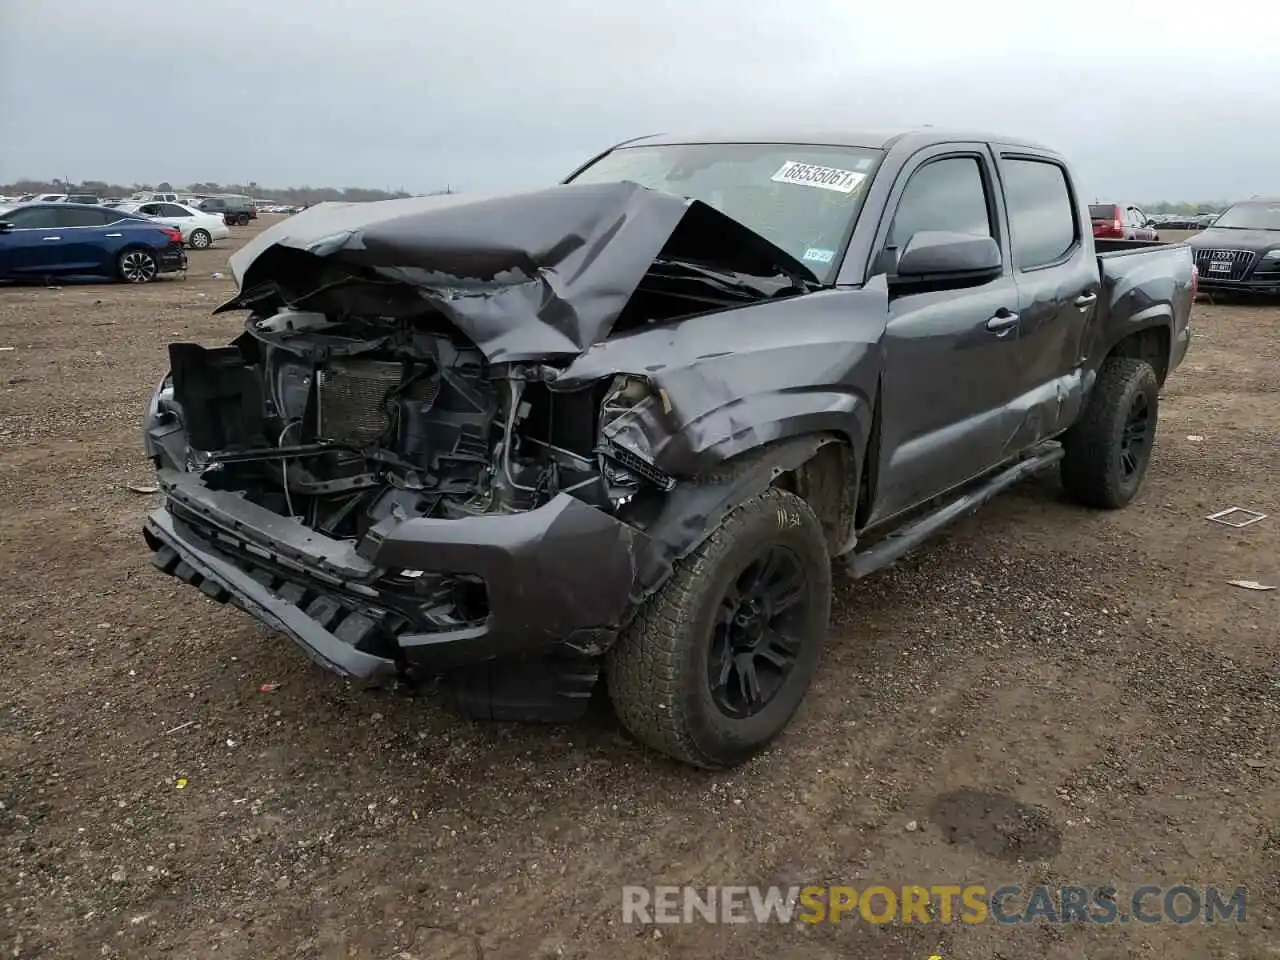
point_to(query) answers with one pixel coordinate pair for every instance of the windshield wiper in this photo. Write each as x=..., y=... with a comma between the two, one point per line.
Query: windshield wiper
x=731, y=281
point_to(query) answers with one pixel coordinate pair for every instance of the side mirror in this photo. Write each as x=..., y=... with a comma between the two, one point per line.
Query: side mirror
x=943, y=255
x=6, y=226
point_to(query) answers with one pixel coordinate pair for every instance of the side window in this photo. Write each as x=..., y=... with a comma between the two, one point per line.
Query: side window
x=946, y=194
x=1042, y=218
x=71, y=217
x=150, y=209
x=172, y=210
x=33, y=218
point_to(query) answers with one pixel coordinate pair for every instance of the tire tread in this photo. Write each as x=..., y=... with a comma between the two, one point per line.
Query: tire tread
x=644, y=666
x=1088, y=471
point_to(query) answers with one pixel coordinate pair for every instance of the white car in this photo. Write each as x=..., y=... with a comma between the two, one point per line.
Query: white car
x=199, y=229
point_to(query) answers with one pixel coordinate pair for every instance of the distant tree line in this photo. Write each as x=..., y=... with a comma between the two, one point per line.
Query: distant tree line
x=1186, y=207
x=296, y=196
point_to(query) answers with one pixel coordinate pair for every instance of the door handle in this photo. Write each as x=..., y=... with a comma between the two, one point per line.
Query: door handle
x=53, y=238
x=115, y=234
x=1003, y=321
x=1086, y=300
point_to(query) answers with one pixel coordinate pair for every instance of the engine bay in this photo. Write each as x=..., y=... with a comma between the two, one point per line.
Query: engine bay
x=344, y=423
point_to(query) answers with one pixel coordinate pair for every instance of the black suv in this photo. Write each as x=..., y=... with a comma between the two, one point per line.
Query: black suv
x=238, y=212
x=1241, y=250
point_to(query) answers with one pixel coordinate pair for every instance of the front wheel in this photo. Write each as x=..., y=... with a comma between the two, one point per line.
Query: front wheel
x=137, y=266
x=717, y=661
x=200, y=239
x=1108, y=449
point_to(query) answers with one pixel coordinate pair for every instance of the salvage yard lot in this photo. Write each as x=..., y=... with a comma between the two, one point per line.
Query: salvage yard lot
x=157, y=802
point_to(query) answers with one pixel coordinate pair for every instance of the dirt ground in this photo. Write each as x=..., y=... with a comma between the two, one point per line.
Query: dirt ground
x=1095, y=667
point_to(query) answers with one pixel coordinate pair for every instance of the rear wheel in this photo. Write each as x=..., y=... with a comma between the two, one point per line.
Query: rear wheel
x=717, y=662
x=1109, y=448
x=243, y=220
x=200, y=239
x=137, y=266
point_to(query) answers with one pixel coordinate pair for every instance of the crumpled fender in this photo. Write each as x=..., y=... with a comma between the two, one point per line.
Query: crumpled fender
x=726, y=383
x=692, y=511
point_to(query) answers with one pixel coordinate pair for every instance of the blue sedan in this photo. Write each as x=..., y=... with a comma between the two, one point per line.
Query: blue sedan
x=41, y=240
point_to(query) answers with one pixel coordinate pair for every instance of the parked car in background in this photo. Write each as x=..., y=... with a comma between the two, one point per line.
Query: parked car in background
x=151, y=195
x=61, y=198
x=1241, y=250
x=1121, y=221
x=40, y=240
x=199, y=229
x=232, y=210
x=760, y=356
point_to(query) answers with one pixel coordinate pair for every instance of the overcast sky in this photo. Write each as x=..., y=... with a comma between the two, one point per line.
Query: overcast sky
x=487, y=94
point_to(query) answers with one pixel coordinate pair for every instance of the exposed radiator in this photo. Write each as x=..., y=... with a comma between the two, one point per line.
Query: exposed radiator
x=354, y=398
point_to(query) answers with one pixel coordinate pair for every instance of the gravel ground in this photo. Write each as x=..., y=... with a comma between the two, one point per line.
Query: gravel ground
x=1096, y=668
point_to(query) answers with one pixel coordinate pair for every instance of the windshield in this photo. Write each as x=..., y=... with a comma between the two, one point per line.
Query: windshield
x=1257, y=215
x=803, y=199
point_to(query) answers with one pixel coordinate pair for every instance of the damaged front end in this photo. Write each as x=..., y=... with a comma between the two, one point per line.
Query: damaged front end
x=384, y=466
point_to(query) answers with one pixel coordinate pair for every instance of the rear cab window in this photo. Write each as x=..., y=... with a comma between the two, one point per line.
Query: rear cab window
x=1042, y=213
x=1102, y=211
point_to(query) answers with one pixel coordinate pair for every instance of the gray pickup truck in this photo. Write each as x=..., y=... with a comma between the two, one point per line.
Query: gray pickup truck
x=621, y=428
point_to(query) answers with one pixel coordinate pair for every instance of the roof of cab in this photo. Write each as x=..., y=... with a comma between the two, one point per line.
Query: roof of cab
x=874, y=138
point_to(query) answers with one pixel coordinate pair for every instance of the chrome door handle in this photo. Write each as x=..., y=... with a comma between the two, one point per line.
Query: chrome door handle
x=115, y=234
x=1086, y=300
x=1002, y=322
x=53, y=238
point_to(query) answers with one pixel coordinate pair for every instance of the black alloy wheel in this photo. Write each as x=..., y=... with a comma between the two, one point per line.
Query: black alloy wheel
x=1135, y=439
x=717, y=661
x=758, y=635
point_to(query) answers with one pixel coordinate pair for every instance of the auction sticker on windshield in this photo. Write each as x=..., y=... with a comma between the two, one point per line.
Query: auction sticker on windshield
x=825, y=178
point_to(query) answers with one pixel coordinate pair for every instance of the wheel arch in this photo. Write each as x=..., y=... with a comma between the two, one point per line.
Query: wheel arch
x=1152, y=343
x=821, y=468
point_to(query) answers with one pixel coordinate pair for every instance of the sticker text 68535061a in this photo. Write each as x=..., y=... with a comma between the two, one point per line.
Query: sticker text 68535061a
x=825, y=178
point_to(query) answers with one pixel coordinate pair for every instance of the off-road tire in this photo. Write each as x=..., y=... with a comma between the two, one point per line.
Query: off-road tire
x=1091, y=470
x=656, y=671
x=200, y=239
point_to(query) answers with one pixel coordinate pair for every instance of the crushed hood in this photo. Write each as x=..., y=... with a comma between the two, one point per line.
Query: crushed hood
x=525, y=276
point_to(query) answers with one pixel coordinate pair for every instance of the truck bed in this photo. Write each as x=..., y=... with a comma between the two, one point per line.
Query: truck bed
x=1142, y=279
x=1110, y=247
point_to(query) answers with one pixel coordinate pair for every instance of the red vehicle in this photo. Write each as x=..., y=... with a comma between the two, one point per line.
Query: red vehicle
x=1121, y=221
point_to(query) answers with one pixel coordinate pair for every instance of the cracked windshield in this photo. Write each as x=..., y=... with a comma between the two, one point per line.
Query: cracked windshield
x=801, y=198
